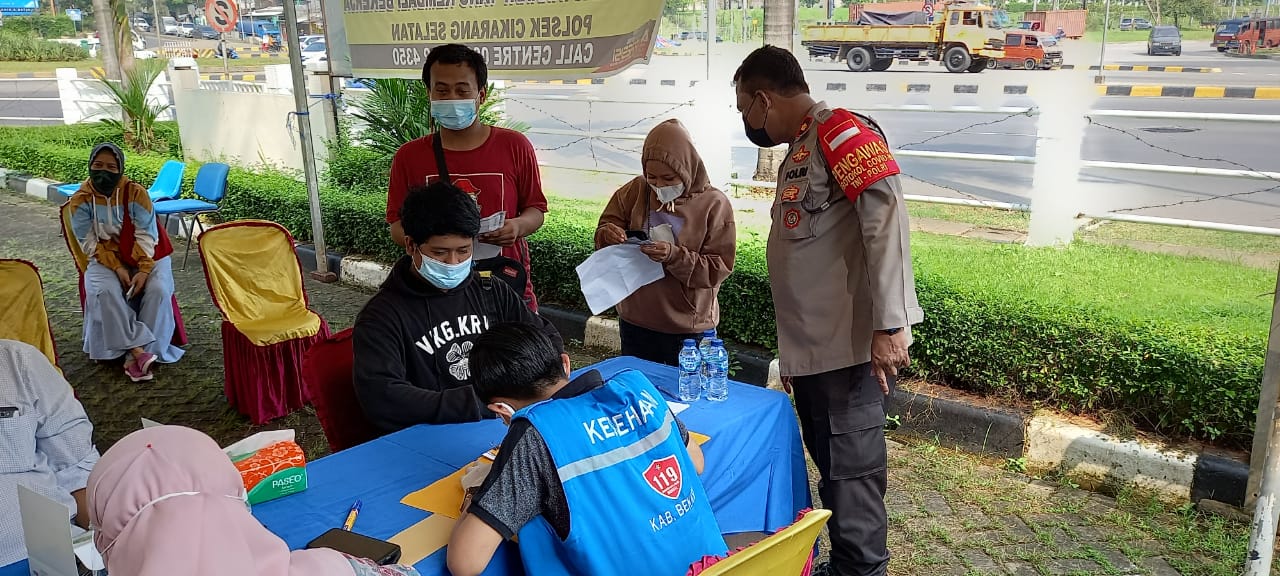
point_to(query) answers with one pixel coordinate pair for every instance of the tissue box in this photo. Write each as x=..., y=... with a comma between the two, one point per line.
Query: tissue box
x=271, y=464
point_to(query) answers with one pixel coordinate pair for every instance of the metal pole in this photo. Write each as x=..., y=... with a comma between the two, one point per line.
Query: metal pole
x=831, y=6
x=155, y=7
x=1262, y=535
x=711, y=33
x=1102, y=54
x=322, y=272
x=1233, y=8
x=226, y=70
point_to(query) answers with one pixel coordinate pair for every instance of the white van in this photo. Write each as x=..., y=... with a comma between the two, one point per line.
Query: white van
x=169, y=26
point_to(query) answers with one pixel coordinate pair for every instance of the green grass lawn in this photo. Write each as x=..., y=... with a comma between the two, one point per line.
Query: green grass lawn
x=1116, y=281
x=1115, y=36
x=8, y=66
x=1234, y=241
x=985, y=217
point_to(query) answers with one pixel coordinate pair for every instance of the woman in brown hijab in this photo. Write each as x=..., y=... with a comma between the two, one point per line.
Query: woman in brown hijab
x=691, y=225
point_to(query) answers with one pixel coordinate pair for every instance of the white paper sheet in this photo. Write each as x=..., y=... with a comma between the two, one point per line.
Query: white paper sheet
x=493, y=222
x=615, y=272
x=677, y=407
x=86, y=551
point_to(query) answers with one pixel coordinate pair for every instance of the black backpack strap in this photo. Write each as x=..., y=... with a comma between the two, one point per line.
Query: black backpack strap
x=441, y=167
x=488, y=293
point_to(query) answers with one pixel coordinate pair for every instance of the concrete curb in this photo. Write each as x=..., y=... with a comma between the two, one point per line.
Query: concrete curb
x=1045, y=441
x=1009, y=89
x=1162, y=91
x=238, y=77
x=1231, y=54
x=26, y=75
x=1142, y=68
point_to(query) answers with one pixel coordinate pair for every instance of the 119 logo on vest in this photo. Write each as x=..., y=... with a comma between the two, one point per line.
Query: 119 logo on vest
x=664, y=477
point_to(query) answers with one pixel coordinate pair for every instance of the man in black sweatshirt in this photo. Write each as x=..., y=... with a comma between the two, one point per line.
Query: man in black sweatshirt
x=412, y=338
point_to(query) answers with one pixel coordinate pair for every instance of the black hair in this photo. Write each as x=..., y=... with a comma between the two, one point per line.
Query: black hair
x=438, y=209
x=457, y=54
x=771, y=68
x=514, y=360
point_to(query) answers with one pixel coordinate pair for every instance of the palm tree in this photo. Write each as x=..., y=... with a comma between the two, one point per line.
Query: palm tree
x=115, y=37
x=104, y=21
x=139, y=114
x=779, y=30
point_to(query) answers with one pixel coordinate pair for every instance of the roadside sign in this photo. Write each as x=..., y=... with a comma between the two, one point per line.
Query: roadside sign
x=75, y=14
x=222, y=14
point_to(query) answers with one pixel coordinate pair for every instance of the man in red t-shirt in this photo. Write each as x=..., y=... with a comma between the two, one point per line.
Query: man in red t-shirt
x=495, y=165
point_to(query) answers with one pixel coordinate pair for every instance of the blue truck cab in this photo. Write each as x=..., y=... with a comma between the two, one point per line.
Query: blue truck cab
x=259, y=28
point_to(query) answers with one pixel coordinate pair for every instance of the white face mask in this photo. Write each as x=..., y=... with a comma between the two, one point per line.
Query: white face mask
x=504, y=411
x=668, y=194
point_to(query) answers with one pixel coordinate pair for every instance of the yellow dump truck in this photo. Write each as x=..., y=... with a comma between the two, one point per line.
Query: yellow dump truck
x=963, y=36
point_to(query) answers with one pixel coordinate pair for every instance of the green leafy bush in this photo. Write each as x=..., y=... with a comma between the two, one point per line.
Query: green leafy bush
x=42, y=25
x=1174, y=344
x=27, y=47
x=355, y=169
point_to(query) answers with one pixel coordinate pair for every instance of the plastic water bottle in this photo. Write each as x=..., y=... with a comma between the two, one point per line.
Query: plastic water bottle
x=718, y=372
x=704, y=352
x=690, y=374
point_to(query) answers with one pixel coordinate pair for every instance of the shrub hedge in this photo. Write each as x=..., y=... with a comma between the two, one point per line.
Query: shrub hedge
x=27, y=47
x=1167, y=374
x=43, y=25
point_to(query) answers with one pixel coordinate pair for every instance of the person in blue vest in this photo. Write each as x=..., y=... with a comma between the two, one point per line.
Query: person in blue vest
x=595, y=477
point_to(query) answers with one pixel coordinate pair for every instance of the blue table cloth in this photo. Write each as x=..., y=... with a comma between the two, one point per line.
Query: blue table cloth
x=18, y=568
x=755, y=472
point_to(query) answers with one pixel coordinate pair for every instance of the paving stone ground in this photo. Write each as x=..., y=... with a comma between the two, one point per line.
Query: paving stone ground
x=950, y=513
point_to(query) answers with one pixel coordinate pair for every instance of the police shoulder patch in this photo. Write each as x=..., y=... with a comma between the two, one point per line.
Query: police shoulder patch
x=858, y=155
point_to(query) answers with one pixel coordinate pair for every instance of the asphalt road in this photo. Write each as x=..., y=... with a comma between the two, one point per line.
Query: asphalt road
x=23, y=102
x=1232, y=145
x=1229, y=145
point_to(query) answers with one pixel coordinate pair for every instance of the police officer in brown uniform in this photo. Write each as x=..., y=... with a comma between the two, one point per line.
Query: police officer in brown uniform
x=844, y=295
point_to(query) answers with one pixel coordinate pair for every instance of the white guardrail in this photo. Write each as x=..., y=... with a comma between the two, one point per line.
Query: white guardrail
x=997, y=158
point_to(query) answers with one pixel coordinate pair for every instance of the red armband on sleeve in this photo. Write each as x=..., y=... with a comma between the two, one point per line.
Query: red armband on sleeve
x=858, y=156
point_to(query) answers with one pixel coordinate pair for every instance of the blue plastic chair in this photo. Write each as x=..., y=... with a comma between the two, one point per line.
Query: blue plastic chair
x=68, y=189
x=167, y=186
x=211, y=186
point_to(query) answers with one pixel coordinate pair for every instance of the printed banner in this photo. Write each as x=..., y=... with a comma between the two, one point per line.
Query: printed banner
x=519, y=39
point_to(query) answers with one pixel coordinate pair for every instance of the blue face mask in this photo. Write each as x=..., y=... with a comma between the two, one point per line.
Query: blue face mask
x=444, y=276
x=454, y=114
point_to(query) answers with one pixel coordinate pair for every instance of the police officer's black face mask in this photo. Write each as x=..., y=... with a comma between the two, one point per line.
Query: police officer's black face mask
x=758, y=136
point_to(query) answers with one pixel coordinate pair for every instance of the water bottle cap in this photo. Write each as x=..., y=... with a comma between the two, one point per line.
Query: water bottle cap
x=711, y=332
x=717, y=342
x=688, y=342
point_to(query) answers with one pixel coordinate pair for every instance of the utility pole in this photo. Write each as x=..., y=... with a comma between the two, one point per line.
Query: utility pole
x=303, y=114
x=1264, y=461
x=155, y=7
x=1102, y=53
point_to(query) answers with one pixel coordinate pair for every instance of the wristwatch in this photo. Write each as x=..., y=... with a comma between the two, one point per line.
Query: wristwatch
x=891, y=331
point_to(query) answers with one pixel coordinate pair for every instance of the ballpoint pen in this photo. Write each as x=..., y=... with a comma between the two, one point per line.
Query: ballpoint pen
x=351, y=517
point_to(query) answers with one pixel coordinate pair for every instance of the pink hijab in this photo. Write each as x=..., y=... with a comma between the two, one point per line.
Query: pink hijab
x=167, y=500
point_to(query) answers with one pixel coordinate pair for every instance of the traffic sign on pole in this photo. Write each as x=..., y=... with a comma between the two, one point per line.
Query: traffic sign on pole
x=222, y=14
